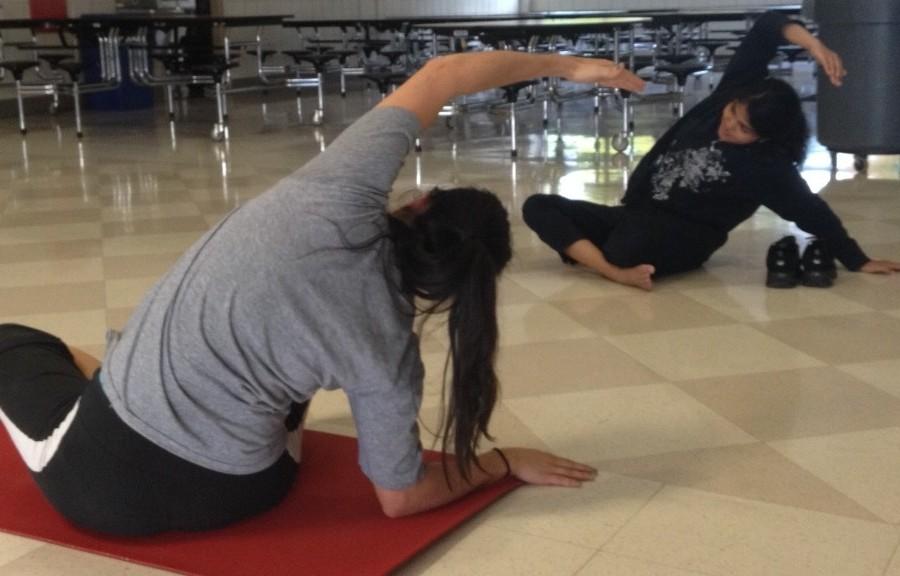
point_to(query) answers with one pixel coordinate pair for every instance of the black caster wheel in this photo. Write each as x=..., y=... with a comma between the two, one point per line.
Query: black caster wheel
x=620, y=142
x=860, y=162
x=218, y=133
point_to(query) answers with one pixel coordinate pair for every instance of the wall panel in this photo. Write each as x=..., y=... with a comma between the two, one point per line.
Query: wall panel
x=546, y=5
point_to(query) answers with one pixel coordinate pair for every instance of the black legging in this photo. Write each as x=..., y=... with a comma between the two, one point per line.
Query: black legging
x=105, y=476
x=627, y=237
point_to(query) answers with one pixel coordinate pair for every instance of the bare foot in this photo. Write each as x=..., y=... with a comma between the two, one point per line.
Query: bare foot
x=640, y=276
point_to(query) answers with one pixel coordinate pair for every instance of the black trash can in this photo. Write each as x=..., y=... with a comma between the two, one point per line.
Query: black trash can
x=863, y=116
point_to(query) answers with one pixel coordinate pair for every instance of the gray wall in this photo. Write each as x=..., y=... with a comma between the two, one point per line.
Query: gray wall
x=390, y=8
x=546, y=5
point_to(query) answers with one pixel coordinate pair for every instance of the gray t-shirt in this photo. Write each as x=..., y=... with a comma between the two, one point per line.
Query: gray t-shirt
x=292, y=292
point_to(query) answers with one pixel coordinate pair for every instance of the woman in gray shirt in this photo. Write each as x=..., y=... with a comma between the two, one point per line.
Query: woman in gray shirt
x=313, y=285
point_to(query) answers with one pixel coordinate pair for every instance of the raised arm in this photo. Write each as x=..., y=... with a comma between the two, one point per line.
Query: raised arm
x=446, y=77
x=828, y=59
x=773, y=29
x=751, y=60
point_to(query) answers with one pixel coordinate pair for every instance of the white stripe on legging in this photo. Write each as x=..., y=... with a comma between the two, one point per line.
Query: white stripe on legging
x=37, y=453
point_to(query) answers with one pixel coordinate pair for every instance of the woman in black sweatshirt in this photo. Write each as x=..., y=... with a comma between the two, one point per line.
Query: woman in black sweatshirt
x=735, y=151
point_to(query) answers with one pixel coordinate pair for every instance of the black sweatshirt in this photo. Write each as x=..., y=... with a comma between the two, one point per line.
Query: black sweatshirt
x=690, y=174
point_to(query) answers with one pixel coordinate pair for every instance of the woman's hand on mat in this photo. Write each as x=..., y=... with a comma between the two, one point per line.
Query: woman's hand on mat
x=536, y=467
x=880, y=267
x=606, y=73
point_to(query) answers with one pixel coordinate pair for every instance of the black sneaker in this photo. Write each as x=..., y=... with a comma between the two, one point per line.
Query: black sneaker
x=818, y=266
x=783, y=264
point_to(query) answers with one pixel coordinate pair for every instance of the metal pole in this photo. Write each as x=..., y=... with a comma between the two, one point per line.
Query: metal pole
x=513, y=151
x=77, y=98
x=21, y=107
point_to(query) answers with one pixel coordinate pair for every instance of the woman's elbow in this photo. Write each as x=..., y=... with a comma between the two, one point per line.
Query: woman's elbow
x=395, y=503
x=394, y=512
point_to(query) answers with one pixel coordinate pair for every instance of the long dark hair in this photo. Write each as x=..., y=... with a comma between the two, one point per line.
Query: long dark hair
x=776, y=114
x=450, y=255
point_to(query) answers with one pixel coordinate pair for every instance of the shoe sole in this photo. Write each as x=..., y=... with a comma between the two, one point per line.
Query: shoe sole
x=781, y=280
x=817, y=279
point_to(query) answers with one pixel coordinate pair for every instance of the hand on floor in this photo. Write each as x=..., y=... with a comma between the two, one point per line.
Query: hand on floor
x=536, y=467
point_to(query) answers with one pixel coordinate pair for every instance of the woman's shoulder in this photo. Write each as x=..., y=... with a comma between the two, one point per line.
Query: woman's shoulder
x=754, y=166
x=765, y=158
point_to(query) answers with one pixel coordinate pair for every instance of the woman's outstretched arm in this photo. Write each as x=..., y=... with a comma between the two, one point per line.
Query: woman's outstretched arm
x=433, y=490
x=445, y=77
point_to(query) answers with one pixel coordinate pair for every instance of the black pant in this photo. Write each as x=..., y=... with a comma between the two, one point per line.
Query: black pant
x=627, y=237
x=104, y=476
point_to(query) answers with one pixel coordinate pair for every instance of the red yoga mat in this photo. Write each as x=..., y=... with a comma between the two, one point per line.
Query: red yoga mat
x=330, y=523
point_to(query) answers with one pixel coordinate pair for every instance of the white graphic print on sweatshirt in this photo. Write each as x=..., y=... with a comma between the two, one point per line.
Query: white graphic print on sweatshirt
x=688, y=168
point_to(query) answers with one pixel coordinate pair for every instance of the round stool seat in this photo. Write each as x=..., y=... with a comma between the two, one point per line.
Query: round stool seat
x=683, y=70
x=318, y=60
x=53, y=59
x=370, y=46
x=711, y=45
x=320, y=44
x=265, y=53
x=319, y=48
x=71, y=67
x=18, y=67
x=24, y=45
x=511, y=91
x=676, y=58
x=392, y=54
x=384, y=79
x=215, y=67
x=376, y=43
x=342, y=54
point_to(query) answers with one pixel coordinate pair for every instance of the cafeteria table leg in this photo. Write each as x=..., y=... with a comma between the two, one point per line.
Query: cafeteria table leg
x=76, y=99
x=22, y=128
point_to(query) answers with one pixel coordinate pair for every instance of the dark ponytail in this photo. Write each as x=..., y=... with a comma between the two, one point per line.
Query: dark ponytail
x=450, y=255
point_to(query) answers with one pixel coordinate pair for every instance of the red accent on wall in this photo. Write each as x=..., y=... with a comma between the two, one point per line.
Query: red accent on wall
x=48, y=8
